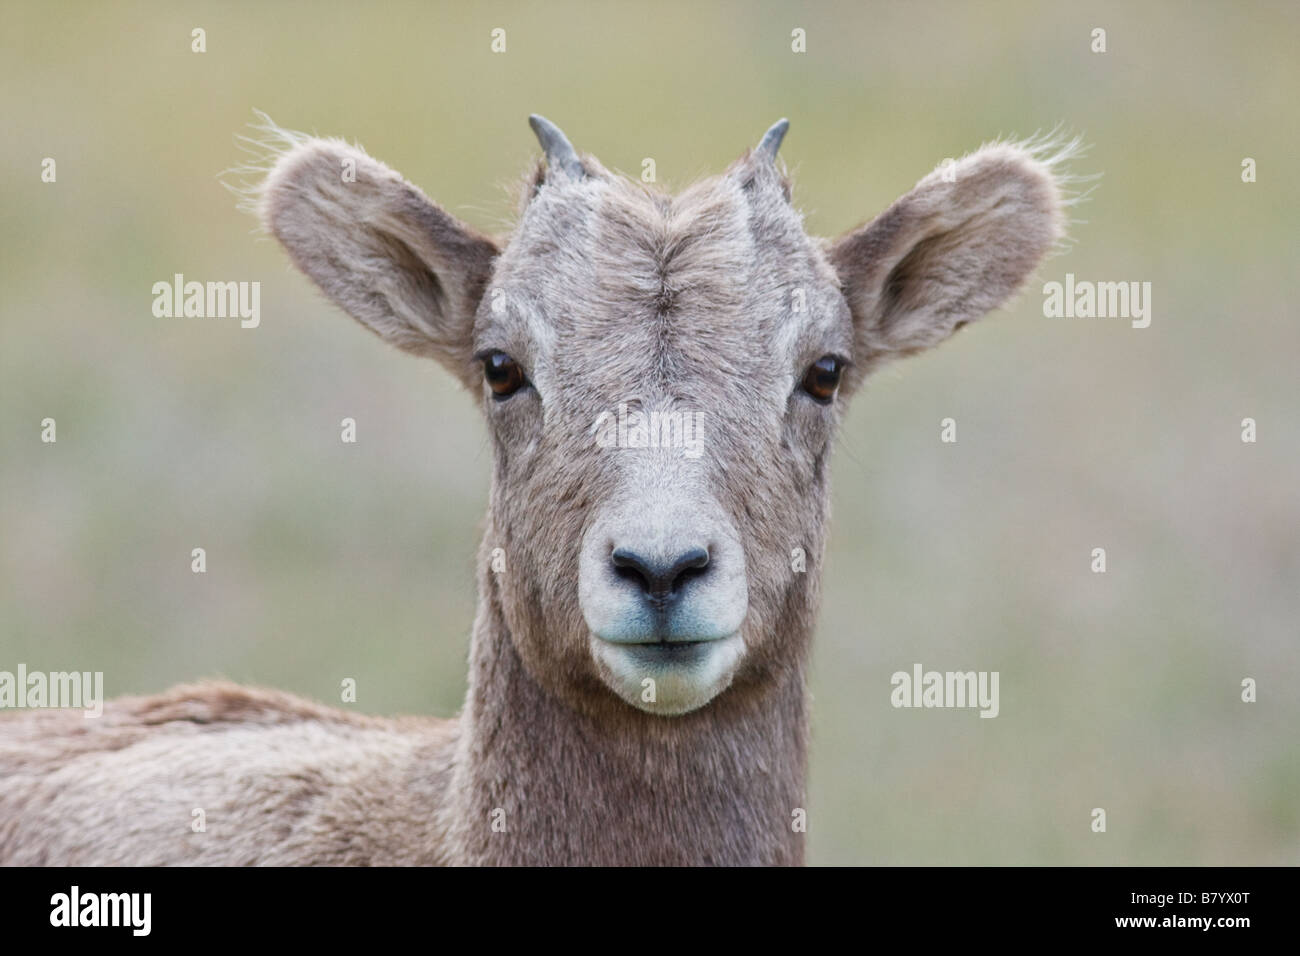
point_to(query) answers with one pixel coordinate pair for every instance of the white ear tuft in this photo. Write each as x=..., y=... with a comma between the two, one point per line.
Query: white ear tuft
x=263, y=148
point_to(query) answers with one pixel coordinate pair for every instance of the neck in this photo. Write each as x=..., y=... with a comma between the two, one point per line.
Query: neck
x=537, y=781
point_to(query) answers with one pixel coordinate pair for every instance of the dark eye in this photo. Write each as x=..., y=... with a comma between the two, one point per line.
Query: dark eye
x=822, y=378
x=502, y=373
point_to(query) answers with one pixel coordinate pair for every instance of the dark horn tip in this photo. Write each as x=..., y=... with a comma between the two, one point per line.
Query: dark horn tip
x=771, y=141
x=559, y=151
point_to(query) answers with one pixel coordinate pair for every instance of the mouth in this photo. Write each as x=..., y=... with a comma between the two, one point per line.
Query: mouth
x=656, y=654
x=668, y=677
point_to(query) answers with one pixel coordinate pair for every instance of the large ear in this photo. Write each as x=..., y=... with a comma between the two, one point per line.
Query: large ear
x=959, y=244
x=378, y=247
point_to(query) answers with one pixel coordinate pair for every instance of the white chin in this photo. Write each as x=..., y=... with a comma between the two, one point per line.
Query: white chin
x=668, y=679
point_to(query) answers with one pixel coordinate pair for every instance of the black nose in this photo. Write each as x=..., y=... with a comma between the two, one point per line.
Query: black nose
x=661, y=581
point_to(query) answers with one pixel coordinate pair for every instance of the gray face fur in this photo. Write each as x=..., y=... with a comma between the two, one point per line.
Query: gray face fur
x=670, y=573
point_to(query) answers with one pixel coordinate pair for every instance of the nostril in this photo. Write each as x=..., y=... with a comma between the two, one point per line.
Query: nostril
x=689, y=565
x=629, y=566
x=660, y=579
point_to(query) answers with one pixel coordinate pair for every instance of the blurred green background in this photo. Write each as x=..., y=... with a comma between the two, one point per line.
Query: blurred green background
x=328, y=560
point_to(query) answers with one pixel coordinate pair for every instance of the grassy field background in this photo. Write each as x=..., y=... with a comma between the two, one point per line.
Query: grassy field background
x=328, y=561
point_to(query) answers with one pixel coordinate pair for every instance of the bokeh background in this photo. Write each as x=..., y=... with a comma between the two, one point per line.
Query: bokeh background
x=327, y=560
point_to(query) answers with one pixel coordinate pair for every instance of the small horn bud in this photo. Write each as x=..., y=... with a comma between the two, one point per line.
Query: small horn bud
x=771, y=140
x=560, y=153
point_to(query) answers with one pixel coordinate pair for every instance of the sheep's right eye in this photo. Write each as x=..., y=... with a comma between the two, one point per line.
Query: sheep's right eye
x=502, y=374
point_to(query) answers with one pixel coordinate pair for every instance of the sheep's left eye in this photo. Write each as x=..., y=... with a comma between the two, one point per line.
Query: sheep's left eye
x=502, y=374
x=823, y=378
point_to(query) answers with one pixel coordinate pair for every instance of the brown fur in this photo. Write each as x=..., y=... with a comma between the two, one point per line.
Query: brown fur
x=606, y=292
